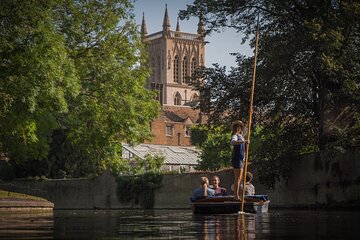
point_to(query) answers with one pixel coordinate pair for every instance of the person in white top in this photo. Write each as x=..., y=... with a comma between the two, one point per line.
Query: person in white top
x=249, y=188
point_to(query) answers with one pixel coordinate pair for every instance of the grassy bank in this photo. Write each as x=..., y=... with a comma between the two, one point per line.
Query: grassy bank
x=11, y=195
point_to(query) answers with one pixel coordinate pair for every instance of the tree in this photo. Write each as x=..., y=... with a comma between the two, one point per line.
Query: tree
x=84, y=68
x=113, y=105
x=215, y=147
x=37, y=78
x=307, y=82
x=150, y=163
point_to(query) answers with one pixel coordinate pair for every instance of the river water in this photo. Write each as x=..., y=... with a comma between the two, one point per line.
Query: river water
x=179, y=224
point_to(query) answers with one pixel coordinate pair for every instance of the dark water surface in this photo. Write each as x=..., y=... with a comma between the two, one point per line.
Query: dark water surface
x=179, y=224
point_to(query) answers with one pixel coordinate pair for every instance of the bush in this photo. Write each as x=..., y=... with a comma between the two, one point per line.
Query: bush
x=138, y=189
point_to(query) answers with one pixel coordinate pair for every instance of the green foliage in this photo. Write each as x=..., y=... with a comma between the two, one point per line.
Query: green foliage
x=37, y=77
x=342, y=141
x=215, y=148
x=307, y=80
x=113, y=105
x=139, y=189
x=67, y=159
x=150, y=163
x=198, y=135
x=72, y=72
x=216, y=153
x=136, y=166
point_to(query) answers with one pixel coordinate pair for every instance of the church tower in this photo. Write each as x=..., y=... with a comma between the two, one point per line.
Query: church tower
x=173, y=57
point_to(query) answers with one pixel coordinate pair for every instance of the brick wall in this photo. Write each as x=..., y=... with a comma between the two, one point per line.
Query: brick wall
x=179, y=118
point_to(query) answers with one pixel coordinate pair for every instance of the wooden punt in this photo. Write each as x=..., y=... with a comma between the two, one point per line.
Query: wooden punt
x=226, y=205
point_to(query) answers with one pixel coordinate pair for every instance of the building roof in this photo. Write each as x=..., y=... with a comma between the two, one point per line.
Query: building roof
x=174, y=155
x=181, y=114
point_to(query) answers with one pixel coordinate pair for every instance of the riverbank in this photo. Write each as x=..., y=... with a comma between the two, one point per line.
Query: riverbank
x=18, y=201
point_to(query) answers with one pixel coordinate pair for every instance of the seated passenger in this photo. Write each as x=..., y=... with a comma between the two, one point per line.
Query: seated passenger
x=249, y=188
x=203, y=191
x=219, y=191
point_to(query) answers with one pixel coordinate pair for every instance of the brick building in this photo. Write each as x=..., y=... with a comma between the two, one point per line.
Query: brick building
x=173, y=57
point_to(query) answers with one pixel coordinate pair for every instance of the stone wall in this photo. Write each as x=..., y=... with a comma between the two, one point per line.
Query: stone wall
x=97, y=193
x=320, y=181
x=316, y=182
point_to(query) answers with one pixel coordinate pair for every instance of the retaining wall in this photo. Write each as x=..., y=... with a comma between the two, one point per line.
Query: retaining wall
x=315, y=181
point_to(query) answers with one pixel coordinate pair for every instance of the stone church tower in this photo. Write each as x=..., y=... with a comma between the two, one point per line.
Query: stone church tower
x=173, y=57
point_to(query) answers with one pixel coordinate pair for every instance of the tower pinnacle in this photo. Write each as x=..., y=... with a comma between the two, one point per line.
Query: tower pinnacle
x=177, y=25
x=177, y=33
x=166, y=24
x=143, y=27
x=201, y=29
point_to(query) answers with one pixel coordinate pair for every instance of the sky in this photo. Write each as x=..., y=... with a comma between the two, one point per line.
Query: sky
x=220, y=44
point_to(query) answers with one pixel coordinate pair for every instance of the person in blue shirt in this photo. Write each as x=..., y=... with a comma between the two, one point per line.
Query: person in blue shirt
x=238, y=154
x=203, y=191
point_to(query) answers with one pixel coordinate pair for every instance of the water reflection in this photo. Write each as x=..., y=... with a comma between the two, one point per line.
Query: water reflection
x=160, y=224
x=233, y=226
x=25, y=224
x=178, y=224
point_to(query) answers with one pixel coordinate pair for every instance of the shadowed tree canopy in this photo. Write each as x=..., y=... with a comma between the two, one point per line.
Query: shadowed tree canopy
x=307, y=81
x=72, y=77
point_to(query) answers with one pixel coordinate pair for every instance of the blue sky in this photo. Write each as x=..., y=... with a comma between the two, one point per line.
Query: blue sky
x=220, y=44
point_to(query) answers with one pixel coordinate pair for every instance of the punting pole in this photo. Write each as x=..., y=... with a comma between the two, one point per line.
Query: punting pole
x=250, y=114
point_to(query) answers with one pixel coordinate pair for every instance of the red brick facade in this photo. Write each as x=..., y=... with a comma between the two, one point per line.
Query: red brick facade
x=173, y=125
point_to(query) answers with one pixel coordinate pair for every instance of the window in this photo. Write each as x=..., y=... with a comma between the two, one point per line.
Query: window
x=152, y=65
x=177, y=99
x=185, y=70
x=158, y=70
x=169, y=130
x=193, y=66
x=176, y=69
x=187, y=131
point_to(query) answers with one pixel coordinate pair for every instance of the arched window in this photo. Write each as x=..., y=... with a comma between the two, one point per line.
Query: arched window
x=177, y=99
x=192, y=65
x=158, y=70
x=176, y=69
x=152, y=65
x=185, y=70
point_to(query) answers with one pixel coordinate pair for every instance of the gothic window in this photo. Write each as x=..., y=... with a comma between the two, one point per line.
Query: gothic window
x=185, y=70
x=158, y=70
x=177, y=99
x=152, y=65
x=176, y=69
x=193, y=65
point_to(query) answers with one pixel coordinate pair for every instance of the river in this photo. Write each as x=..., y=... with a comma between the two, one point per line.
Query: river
x=179, y=224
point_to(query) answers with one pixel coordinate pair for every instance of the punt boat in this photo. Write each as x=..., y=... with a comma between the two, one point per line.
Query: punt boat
x=226, y=205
